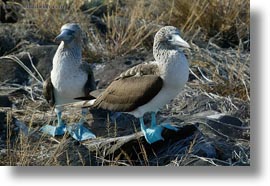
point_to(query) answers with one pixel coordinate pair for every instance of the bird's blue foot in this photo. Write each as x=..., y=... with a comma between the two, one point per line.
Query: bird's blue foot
x=53, y=130
x=169, y=126
x=79, y=132
x=153, y=134
x=58, y=130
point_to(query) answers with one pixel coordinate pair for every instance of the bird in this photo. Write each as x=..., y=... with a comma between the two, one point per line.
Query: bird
x=147, y=87
x=69, y=78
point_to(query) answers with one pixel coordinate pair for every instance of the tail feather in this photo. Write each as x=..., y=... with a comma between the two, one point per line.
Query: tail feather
x=85, y=98
x=79, y=104
x=92, y=95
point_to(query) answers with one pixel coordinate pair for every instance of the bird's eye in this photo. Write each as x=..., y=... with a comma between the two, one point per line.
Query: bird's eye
x=70, y=32
x=170, y=38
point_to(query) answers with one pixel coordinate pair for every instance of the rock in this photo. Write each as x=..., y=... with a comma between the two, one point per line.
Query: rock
x=230, y=126
x=42, y=57
x=75, y=154
x=2, y=120
x=11, y=72
x=7, y=39
x=5, y=102
x=133, y=148
x=109, y=70
x=204, y=138
x=16, y=37
x=4, y=127
x=100, y=7
x=102, y=123
x=230, y=120
x=100, y=25
x=9, y=12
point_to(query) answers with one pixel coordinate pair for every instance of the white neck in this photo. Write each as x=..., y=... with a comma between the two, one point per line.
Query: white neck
x=174, y=67
x=71, y=54
x=67, y=77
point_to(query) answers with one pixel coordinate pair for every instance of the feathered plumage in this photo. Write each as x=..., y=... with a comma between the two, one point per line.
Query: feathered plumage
x=148, y=87
x=70, y=77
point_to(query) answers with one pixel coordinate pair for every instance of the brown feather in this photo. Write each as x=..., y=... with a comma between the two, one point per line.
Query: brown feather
x=140, y=70
x=96, y=93
x=48, y=91
x=92, y=95
x=90, y=84
x=127, y=94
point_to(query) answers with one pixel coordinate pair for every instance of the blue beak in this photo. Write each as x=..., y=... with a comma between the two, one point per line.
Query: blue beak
x=65, y=35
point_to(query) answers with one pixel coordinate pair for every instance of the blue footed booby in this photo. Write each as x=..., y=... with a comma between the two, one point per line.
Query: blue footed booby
x=148, y=87
x=69, y=78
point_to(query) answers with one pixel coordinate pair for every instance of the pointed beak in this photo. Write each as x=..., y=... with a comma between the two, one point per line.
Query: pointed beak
x=178, y=41
x=65, y=35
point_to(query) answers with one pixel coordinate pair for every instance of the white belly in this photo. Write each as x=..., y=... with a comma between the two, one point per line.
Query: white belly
x=156, y=103
x=69, y=89
x=68, y=82
x=174, y=81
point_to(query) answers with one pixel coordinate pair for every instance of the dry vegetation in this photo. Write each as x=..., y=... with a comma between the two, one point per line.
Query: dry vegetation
x=218, y=31
x=131, y=23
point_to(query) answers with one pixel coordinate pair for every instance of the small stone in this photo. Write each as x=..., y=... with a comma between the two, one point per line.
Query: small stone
x=5, y=102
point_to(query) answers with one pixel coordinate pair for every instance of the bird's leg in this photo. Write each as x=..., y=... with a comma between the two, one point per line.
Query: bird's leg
x=153, y=120
x=84, y=112
x=57, y=130
x=78, y=131
x=60, y=122
x=153, y=133
x=143, y=127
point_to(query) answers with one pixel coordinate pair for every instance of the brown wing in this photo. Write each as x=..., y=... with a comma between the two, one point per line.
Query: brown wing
x=96, y=93
x=90, y=85
x=140, y=70
x=48, y=91
x=92, y=95
x=127, y=94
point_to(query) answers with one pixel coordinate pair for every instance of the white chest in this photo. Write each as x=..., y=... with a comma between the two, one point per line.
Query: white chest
x=175, y=72
x=67, y=78
x=175, y=75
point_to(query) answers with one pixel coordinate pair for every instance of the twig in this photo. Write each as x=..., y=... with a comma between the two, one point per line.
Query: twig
x=210, y=160
x=204, y=75
x=195, y=75
x=229, y=125
x=32, y=64
x=18, y=61
x=15, y=86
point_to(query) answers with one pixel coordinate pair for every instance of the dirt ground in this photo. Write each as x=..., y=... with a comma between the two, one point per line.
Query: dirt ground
x=212, y=112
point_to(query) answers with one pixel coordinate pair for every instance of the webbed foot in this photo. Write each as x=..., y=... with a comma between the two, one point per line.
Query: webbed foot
x=79, y=132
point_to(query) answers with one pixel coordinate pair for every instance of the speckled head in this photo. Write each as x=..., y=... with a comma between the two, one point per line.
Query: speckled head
x=69, y=32
x=168, y=37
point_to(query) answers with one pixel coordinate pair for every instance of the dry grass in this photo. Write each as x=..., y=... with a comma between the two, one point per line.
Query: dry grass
x=31, y=148
x=129, y=27
x=224, y=72
x=48, y=21
x=131, y=23
x=216, y=18
x=208, y=25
